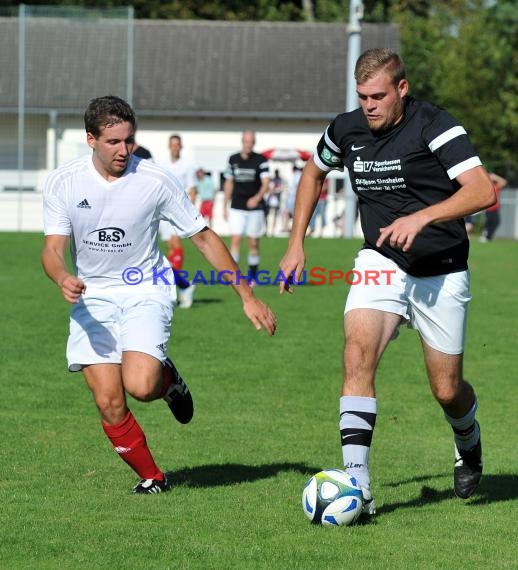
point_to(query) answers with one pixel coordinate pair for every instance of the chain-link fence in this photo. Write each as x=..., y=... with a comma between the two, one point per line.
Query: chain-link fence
x=53, y=60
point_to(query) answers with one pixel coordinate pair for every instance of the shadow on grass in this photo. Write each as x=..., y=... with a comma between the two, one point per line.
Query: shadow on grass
x=493, y=488
x=232, y=473
x=207, y=301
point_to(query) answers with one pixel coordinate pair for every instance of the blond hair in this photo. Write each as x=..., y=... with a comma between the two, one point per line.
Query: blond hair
x=375, y=60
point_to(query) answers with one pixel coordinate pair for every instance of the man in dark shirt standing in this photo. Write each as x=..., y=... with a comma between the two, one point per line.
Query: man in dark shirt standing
x=246, y=183
x=416, y=176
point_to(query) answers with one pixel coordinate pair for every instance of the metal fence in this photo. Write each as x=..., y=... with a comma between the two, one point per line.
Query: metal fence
x=48, y=57
x=509, y=214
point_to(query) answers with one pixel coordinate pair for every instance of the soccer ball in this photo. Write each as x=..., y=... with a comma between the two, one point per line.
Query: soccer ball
x=332, y=498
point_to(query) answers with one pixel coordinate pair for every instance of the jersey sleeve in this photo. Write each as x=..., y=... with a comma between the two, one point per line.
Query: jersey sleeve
x=328, y=155
x=178, y=210
x=56, y=220
x=264, y=170
x=228, y=174
x=450, y=143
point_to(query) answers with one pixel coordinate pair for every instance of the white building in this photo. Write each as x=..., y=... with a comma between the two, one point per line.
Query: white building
x=204, y=80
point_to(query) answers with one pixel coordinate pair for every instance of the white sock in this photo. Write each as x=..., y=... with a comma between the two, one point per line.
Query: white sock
x=466, y=430
x=253, y=259
x=357, y=421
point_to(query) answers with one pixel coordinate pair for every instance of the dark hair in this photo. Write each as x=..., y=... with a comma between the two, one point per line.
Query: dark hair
x=106, y=112
x=379, y=59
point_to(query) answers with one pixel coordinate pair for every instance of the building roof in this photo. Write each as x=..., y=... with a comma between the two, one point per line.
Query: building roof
x=184, y=68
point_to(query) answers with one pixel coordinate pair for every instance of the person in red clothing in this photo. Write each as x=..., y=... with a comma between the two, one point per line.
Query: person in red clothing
x=492, y=214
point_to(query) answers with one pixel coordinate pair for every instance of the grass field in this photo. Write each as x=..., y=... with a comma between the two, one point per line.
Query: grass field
x=266, y=419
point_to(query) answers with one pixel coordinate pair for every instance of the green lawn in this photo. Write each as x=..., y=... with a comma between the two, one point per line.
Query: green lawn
x=266, y=419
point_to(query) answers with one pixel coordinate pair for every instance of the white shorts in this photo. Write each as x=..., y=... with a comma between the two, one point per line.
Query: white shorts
x=248, y=223
x=103, y=325
x=166, y=230
x=435, y=306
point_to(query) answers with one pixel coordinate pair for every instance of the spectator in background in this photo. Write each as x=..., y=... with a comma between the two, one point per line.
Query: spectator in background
x=320, y=211
x=205, y=191
x=469, y=222
x=492, y=214
x=273, y=201
x=289, y=208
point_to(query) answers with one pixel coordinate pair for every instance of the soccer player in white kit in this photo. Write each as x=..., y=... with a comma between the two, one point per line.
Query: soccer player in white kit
x=184, y=171
x=108, y=206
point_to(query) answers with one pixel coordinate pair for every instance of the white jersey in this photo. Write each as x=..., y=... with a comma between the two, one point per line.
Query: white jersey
x=184, y=171
x=113, y=225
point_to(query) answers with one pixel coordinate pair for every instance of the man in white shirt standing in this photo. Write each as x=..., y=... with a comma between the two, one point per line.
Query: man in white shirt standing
x=108, y=205
x=184, y=171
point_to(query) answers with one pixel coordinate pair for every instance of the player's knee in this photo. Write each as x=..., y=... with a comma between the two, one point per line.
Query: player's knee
x=447, y=396
x=143, y=393
x=358, y=354
x=359, y=370
x=451, y=391
x=111, y=408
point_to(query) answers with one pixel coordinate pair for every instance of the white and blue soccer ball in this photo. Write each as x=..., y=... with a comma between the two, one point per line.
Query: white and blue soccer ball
x=332, y=498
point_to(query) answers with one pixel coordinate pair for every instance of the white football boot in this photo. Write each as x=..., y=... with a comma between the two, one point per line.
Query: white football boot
x=369, y=506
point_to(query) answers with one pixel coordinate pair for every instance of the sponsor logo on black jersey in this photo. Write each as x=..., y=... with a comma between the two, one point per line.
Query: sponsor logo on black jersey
x=244, y=174
x=362, y=165
x=106, y=235
x=376, y=165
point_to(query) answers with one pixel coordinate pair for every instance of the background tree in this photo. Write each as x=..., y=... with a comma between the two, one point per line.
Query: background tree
x=463, y=55
x=480, y=83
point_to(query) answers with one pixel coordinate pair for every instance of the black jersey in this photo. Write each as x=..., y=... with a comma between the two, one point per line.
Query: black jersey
x=400, y=171
x=246, y=174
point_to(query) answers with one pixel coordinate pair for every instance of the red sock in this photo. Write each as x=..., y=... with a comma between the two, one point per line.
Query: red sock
x=176, y=258
x=129, y=442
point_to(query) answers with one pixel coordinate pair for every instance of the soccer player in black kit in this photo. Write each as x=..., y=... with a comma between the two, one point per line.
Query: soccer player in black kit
x=416, y=176
x=246, y=182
